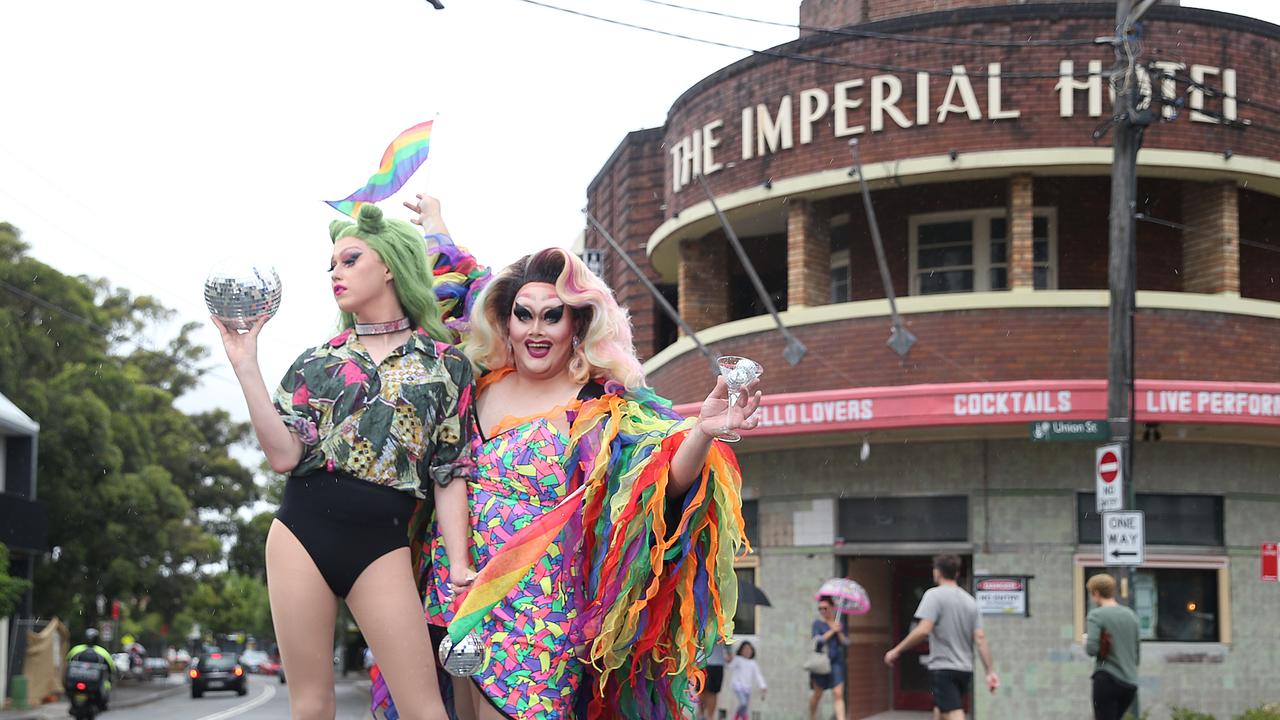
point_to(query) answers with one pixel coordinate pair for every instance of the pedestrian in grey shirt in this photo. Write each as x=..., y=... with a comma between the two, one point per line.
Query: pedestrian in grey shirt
x=1112, y=637
x=949, y=618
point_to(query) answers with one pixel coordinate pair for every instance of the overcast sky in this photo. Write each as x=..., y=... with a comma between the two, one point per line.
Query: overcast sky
x=145, y=140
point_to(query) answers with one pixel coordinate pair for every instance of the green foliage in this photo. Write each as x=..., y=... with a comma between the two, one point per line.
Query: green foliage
x=1265, y=712
x=11, y=588
x=1181, y=713
x=141, y=496
x=248, y=556
x=232, y=603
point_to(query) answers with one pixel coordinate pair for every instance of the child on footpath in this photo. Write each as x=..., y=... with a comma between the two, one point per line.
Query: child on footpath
x=745, y=674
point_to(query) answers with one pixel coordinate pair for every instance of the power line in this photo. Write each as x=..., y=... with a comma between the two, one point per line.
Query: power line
x=799, y=57
x=54, y=307
x=13, y=289
x=873, y=35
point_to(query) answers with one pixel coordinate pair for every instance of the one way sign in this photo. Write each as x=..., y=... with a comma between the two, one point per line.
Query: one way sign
x=1124, y=538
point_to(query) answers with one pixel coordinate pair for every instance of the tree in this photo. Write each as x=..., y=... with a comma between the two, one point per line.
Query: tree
x=137, y=491
x=11, y=588
x=248, y=556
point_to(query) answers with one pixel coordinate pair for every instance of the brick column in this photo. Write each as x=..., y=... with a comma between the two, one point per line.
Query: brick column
x=704, y=281
x=808, y=254
x=1211, y=239
x=1021, y=233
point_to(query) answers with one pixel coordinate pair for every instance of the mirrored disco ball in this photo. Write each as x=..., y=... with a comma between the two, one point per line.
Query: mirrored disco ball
x=239, y=293
x=468, y=658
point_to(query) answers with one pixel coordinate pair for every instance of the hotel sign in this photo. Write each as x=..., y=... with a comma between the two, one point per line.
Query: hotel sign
x=864, y=105
x=1069, y=402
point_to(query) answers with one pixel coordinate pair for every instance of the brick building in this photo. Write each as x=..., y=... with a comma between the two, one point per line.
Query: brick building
x=991, y=191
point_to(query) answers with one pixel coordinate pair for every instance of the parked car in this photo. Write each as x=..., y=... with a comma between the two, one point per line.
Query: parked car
x=252, y=660
x=156, y=667
x=217, y=671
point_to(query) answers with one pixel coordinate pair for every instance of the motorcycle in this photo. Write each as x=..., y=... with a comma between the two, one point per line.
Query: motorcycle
x=85, y=684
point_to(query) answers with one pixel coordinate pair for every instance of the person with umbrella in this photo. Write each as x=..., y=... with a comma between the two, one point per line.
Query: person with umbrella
x=829, y=637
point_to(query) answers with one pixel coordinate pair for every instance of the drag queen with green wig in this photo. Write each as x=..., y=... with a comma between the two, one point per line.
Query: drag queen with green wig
x=371, y=428
x=603, y=524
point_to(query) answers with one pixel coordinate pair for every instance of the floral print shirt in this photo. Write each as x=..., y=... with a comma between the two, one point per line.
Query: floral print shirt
x=401, y=423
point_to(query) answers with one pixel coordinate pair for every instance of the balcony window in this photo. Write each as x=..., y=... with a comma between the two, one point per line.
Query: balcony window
x=969, y=251
x=840, y=283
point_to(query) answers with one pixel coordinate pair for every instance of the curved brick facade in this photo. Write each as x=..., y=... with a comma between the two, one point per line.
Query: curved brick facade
x=1194, y=37
x=995, y=345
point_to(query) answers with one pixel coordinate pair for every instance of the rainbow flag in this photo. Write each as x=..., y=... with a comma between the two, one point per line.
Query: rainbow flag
x=401, y=159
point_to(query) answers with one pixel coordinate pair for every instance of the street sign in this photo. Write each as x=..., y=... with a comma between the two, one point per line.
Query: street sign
x=1108, y=471
x=1270, y=562
x=1124, y=538
x=1058, y=430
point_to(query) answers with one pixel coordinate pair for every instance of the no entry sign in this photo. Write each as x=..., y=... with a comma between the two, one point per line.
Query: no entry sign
x=1109, y=476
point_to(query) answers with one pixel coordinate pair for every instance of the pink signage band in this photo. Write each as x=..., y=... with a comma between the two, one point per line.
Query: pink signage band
x=904, y=406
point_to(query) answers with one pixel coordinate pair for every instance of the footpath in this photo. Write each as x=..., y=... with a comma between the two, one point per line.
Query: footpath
x=122, y=696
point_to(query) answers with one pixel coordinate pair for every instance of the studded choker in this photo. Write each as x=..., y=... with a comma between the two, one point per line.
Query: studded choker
x=382, y=328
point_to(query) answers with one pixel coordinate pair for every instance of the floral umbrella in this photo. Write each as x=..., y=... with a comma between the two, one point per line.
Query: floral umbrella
x=847, y=596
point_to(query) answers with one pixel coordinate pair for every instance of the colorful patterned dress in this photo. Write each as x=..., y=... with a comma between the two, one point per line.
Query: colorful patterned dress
x=532, y=672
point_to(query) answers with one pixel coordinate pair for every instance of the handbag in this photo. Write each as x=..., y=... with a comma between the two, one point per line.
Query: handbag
x=817, y=662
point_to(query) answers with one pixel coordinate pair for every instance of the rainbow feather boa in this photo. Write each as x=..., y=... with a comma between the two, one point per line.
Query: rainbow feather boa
x=651, y=595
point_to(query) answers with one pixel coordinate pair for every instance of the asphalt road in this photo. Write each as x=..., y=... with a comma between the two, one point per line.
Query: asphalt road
x=267, y=699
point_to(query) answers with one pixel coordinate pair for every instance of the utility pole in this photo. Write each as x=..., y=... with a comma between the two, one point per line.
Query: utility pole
x=1122, y=263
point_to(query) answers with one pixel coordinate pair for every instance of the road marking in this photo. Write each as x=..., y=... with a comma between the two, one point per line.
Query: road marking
x=268, y=692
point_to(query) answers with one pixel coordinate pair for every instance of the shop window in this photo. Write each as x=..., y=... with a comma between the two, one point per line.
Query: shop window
x=969, y=251
x=840, y=281
x=751, y=522
x=744, y=619
x=1176, y=599
x=943, y=518
x=1169, y=519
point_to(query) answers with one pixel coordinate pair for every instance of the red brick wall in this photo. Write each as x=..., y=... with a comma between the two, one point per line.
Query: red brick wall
x=994, y=345
x=626, y=198
x=1210, y=246
x=1190, y=35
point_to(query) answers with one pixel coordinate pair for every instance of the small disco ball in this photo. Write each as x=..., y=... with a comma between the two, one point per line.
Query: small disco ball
x=468, y=658
x=239, y=294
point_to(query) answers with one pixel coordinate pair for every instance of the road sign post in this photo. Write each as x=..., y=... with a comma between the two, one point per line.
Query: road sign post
x=1124, y=538
x=1108, y=471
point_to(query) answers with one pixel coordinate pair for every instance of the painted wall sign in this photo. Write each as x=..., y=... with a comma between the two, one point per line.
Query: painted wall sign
x=879, y=408
x=855, y=106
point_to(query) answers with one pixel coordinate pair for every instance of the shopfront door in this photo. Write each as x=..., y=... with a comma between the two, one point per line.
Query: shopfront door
x=911, y=577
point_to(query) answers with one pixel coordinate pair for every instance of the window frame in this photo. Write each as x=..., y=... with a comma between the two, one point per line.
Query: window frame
x=980, y=224
x=1170, y=561
x=749, y=562
x=840, y=261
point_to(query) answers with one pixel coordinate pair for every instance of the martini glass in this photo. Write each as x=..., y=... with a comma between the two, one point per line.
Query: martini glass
x=738, y=372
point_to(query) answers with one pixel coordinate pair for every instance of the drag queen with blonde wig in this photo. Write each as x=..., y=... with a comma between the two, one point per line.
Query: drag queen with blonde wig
x=604, y=526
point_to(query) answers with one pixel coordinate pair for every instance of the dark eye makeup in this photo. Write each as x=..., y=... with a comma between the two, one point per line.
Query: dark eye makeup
x=347, y=261
x=522, y=313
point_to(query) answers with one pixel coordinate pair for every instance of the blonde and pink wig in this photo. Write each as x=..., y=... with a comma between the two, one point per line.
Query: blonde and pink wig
x=603, y=328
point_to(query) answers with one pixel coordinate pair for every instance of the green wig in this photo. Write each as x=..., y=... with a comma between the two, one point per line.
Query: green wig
x=404, y=252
